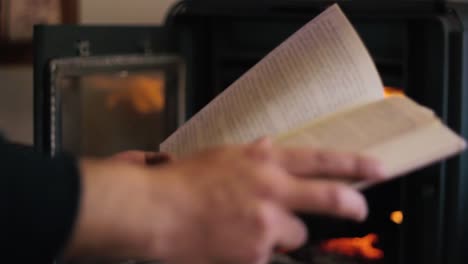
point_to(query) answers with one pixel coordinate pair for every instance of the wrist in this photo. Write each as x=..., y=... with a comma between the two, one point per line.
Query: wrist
x=117, y=217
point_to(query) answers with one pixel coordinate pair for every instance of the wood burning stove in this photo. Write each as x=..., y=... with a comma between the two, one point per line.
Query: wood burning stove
x=420, y=47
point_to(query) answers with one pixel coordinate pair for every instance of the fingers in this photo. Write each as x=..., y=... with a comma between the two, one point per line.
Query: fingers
x=313, y=163
x=309, y=162
x=275, y=229
x=290, y=232
x=313, y=194
x=325, y=198
x=310, y=195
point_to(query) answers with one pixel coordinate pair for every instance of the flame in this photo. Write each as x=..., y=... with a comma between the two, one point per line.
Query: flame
x=392, y=91
x=354, y=247
x=145, y=94
x=397, y=217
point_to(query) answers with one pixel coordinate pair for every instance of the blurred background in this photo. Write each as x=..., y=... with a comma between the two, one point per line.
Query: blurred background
x=16, y=78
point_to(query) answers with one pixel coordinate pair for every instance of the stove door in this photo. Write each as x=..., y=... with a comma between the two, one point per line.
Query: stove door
x=101, y=90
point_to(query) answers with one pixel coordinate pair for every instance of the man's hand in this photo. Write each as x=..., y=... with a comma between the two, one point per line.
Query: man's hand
x=231, y=204
x=142, y=157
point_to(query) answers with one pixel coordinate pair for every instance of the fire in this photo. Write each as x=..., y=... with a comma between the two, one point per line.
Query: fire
x=354, y=247
x=392, y=91
x=143, y=93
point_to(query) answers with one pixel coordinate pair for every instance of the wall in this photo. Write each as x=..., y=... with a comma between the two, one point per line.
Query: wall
x=16, y=83
x=124, y=11
x=16, y=103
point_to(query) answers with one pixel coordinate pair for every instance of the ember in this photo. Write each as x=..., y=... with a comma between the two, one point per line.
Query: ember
x=354, y=247
x=397, y=217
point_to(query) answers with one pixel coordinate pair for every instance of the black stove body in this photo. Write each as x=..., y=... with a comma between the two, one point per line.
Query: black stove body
x=418, y=46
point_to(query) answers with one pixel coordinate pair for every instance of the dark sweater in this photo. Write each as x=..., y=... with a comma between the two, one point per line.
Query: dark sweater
x=39, y=201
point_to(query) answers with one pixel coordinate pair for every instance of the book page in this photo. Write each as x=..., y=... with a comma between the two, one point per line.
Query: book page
x=395, y=131
x=415, y=150
x=323, y=67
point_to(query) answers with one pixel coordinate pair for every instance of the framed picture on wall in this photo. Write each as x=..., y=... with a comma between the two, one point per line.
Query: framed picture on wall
x=17, y=19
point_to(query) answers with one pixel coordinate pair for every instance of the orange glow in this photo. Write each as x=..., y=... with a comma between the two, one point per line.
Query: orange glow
x=392, y=91
x=143, y=93
x=397, y=217
x=354, y=247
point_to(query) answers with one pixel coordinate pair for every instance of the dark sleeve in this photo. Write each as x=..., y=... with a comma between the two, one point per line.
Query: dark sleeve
x=40, y=199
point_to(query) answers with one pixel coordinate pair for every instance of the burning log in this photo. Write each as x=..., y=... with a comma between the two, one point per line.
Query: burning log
x=354, y=247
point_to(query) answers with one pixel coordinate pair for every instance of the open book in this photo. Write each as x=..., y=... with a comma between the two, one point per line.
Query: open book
x=320, y=88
